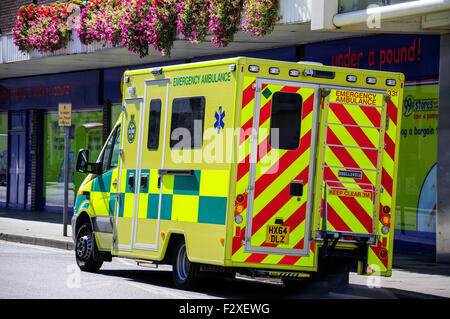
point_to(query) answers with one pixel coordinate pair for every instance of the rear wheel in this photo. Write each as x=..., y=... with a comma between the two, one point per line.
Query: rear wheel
x=84, y=249
x=184, y=272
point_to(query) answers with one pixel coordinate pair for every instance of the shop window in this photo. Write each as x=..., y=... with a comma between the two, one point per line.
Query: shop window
x=187, y=122
x=88, y=135
x=154, y=121
x=285, y=121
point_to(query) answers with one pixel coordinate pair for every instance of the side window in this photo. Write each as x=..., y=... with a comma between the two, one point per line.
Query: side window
x=285, y=121
x=154, y=121
x=187, y=113
x=110, y=155
x=115, y=153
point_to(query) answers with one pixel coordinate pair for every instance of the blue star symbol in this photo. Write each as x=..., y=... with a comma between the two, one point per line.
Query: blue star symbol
x=219, y=120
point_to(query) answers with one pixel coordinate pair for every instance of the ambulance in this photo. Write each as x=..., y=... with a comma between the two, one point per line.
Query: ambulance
x=250, y=166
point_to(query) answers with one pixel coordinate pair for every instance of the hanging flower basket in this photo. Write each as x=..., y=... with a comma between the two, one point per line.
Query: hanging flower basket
x=87, y=24
x=259, y=16
x=99, y=22
x=138, y=24
x=162, y=29
x=42, y=28
x=225, y=16
x=134, y=24
x=193, y=19
x=111, y=32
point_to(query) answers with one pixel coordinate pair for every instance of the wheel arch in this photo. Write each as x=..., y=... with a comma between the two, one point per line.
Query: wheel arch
x=83, y=217
x=173, y=238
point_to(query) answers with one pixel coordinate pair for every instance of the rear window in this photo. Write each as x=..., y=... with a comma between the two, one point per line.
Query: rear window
x=187, y=113
x=285, y=121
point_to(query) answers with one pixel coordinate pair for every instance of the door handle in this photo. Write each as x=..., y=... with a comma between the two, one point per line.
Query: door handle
x=180, y=172
x=131, y=181
x=296, y=188
x=114, y=183
x=144, y=181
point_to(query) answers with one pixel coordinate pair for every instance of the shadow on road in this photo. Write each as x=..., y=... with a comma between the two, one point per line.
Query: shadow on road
x=247, y=288
x=47, y=217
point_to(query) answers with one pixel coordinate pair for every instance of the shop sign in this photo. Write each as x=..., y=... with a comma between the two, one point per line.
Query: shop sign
x=64, y=114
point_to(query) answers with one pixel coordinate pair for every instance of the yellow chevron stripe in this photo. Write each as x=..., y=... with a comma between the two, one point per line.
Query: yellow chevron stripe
x=347, y=139
x=332, y=160
x=345, y=214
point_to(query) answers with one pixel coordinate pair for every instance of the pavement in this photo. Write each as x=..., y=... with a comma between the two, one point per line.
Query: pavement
x=36, y=228
x=414, y=276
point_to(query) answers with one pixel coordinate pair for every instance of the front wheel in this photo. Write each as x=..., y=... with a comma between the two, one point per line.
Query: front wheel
x=184, y=272
x=84, y=249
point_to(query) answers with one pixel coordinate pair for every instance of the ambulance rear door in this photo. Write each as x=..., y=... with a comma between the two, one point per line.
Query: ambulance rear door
x=282, y=167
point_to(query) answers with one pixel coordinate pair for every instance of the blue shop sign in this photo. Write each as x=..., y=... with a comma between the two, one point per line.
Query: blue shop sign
x=79, y=88
x=416, y=56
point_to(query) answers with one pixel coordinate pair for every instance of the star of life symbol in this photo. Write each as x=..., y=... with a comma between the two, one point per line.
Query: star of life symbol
x=219, y=124
x=131, y=132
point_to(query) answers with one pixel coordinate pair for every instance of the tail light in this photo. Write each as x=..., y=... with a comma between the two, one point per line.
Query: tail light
x=383, y=253
x=240, y=198
x=385, y=219
x=239, y=208
x=240, y=203
x=386, y=209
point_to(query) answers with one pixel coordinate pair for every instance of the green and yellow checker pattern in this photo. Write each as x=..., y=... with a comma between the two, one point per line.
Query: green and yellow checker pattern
x=200, y=198
x=101, y=197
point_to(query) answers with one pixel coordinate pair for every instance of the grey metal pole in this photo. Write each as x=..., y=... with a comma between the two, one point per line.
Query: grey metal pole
x=66, y=178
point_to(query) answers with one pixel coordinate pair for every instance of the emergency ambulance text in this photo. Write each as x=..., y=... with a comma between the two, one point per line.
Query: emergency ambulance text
x=202, y=79
x=356, y=97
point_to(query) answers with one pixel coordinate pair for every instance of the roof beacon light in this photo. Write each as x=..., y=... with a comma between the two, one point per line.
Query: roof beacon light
x=294, y=73
x=391, y=82
x=351, y=78
x=253, y=68
x=370, y=80
x=274, y=70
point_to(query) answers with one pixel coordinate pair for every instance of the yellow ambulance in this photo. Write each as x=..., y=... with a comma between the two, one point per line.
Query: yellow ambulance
x=244, y=165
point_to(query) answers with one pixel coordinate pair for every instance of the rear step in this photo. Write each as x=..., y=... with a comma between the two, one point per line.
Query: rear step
x=146, y=263
x=362, y=241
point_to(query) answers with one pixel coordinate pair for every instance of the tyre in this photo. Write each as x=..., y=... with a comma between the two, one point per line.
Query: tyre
x=84, y=249
x=184, y=272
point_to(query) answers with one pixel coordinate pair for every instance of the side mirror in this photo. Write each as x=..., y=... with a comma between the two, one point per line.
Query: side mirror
x=82, y=161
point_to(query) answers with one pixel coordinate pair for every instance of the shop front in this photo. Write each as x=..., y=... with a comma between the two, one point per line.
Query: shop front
x=32, y=143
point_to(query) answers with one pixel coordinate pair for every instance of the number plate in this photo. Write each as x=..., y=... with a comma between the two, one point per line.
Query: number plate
x=277, y=234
